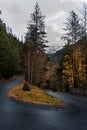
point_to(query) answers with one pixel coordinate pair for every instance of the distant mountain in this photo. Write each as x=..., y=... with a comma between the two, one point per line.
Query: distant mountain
x=55, y=57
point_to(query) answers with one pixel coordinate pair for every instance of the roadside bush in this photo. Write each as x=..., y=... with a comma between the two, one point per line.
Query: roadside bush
x=26, y=87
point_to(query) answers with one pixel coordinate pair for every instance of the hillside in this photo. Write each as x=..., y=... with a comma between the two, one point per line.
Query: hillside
x=56, y=56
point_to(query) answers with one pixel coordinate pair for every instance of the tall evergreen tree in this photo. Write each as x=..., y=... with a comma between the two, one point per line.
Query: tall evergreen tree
x=35, y=43
x=73, y=28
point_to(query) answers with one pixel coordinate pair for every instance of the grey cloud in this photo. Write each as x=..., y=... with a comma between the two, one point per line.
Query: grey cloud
x=52, y=9
x=17, y=12
x=9, y=7
x=54, y=35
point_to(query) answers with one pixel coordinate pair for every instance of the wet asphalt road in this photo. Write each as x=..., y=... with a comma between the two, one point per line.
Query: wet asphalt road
x=21, y=116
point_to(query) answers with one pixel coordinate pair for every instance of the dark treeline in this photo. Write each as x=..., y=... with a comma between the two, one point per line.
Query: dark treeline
x=10, y=52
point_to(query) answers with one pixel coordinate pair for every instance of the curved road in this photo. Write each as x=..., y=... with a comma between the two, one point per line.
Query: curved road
x=21, y=116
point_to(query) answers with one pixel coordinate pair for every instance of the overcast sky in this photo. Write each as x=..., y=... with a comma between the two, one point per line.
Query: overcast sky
x=16, y=13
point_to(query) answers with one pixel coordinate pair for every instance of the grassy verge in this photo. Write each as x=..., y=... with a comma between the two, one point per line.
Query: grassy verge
x=36, y=95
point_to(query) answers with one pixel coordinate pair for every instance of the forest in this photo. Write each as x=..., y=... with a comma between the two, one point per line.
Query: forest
x=28, y=57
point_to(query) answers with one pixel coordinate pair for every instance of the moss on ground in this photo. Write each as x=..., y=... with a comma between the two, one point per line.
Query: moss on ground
x=36, y=95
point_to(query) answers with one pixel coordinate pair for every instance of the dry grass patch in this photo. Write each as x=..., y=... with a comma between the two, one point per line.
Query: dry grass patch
x=36, y=95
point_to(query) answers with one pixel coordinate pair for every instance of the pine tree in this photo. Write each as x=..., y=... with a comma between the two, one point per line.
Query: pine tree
x=35, y=43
